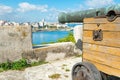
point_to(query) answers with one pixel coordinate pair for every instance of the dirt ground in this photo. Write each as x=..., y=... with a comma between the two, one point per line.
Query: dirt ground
x=55, y=70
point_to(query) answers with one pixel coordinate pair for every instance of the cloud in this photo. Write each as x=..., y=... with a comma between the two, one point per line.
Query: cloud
x=98, y=3
x=5, y=9
x=25, y=6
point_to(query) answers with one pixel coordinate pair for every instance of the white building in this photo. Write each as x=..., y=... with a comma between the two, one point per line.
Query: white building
x=61, y=26
x=26, y=24
x=42, y=23
x=35, y=25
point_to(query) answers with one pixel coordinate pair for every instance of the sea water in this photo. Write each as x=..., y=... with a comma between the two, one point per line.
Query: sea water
x=41, y=37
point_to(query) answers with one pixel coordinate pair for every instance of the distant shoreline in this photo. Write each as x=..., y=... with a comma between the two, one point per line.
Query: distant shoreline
x=38, y=30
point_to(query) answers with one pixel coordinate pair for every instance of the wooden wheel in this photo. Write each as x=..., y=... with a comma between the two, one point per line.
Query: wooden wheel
x=85, y=71
x=104, y=76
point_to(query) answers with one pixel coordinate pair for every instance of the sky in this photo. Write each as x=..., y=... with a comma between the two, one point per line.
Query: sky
x=36, y=10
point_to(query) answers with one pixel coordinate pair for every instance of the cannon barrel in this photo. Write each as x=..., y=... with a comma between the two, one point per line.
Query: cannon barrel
x=110, y=12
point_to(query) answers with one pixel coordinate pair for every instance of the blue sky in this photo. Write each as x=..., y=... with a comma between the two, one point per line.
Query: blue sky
x=36, y=10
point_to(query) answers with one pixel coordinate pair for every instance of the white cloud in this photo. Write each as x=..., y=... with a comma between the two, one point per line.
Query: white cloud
x=54, y=12
x=5, y=9
x=25, y=6
x=98, y=3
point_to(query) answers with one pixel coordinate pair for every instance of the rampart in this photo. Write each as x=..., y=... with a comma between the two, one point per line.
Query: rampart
x=16, y=43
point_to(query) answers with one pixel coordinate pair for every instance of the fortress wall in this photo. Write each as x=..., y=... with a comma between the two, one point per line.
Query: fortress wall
x=53, y=52
x=14, y=41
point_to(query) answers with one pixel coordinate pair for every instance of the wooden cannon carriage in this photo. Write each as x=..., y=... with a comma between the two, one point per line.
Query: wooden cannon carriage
x=101, y=43
x=101, y=50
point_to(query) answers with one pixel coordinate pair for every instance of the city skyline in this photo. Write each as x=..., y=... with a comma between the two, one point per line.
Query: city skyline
x=35, y=11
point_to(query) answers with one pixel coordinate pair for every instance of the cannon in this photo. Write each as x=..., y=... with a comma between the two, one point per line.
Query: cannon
x=111, y=13
x=101, y=43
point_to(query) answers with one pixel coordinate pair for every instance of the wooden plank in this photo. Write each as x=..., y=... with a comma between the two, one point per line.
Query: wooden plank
x=109, y=38
x=106, y=34
x=104, y=68
x=102, y=58
x=104, y=27
x=100, y=20
x=102, y=49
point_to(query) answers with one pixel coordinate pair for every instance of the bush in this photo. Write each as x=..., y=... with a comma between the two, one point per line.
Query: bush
x=6, y=66
x=21, y=64
x=69, y=38
x=17, y=65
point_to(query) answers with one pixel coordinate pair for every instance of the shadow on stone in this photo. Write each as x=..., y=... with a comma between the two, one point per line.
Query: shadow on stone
x=79, y=44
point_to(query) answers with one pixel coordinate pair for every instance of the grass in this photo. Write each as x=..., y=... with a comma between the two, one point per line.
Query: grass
x=64, y=65
x=34, y=44
x=1, y=70
x=55, y=76
x=38, y=63
x=67, y=70
x=78, y=55
x=62, y=68
x=66, y=76
x=48, y=42
x=18, y=65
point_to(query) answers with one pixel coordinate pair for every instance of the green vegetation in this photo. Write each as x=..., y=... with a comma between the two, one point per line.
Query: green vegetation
x=38, y=63
x=69, y=38
x=78, y=55
x=18, y=65
x=64, y=65
x=48, y=42
x=62, y=68
x=67, y=70
x=54, y=76
x=66, y=76
x=1, y=70
x=34, y=44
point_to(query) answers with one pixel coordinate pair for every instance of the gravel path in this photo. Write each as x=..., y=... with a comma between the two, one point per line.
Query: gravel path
x=60, y=69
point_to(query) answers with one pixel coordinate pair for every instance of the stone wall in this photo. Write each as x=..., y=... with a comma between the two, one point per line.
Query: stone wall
x=14, y=41
x=78, y=34
x=53, y=52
